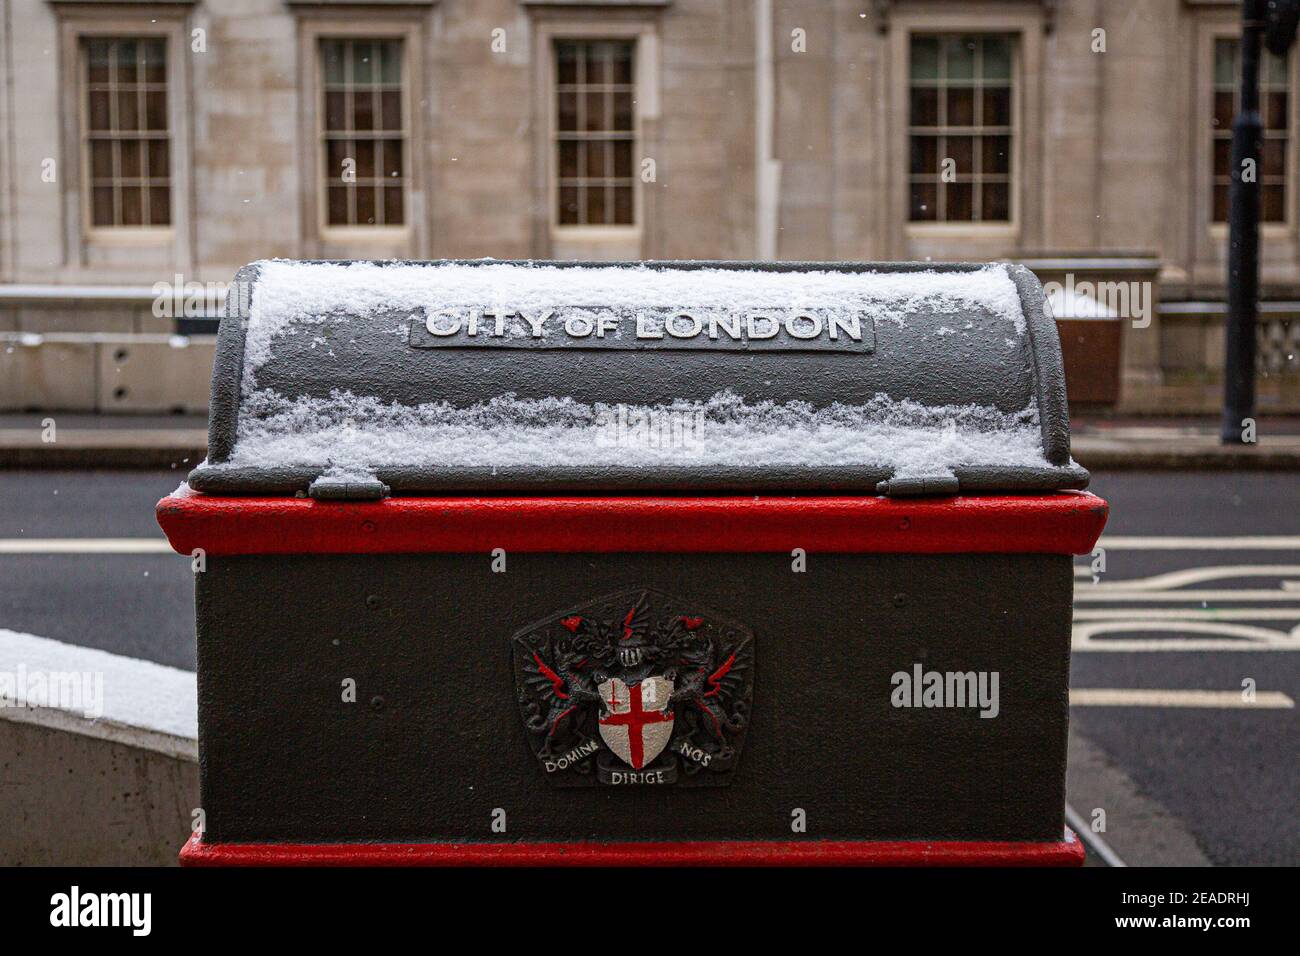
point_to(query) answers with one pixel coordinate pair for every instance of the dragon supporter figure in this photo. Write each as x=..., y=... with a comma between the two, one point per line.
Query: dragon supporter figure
x=635, y=686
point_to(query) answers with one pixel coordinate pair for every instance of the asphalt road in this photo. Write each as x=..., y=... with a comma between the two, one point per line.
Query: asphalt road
x=1180, y=779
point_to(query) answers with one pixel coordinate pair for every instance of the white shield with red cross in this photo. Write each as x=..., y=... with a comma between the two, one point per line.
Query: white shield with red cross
x=636, y=722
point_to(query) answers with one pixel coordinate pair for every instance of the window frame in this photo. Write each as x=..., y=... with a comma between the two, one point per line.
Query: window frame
x=119, y=231
x=905, y=239
x=325, y=176
x=1203, y=153
x=1014, y=132
x=319, y=238
x=124, y=247
x=557, y=137
x=1007, y=228
x=550, y=238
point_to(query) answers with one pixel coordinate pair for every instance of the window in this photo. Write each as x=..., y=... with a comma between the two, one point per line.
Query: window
x=363, y=132
x=960, y=128
x=125, y=132
x=594, y=132
x=1274, y=108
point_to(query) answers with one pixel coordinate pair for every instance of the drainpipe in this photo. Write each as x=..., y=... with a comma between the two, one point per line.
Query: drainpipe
x=767, y=169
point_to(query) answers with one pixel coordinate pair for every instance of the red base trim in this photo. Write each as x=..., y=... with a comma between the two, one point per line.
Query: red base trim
x=1062, y=523
x=1069, y=852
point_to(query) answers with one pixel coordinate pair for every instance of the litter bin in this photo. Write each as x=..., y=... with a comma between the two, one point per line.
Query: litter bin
x=668, y=562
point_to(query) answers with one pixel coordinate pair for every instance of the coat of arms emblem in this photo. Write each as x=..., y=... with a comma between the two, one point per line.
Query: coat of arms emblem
x=634, y=689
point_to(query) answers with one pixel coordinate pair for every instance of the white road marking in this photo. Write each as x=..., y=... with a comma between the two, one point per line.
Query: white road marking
x=85, y=546
x=1094, y=840
x=1228, y=636
x=1162, y=543
x=1100, y=593
x=1139, y=697
x=1189, y=614
x=1178, y=579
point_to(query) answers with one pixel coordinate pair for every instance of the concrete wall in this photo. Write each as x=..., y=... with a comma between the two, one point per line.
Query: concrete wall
x=98, y=756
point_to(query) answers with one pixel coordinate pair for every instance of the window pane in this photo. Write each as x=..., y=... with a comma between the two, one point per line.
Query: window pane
x=623, y=199
x=155, y=106
x=393, y=213
x=959, y=199
x=160, y=211
x=362, y=64
x=997, y=58
x=132, y=165
x=101, y=159
x=364, y=153
x=1273, y=203
x=925, y=106
x=125, y=61
x=159, y=166
x=595, y=122
x=962, y=150
x=567, y=111
x=132, y=199
x=622, y=111
x=363, y=110
x=996, y=102
x=1225, y=63
x=598, y=64
x=622, y=59
x=155, y=62
x=128, y=112
x=97, y=60
x=566, y=62
x=390, y=56
x=925, y=58
x=594, y=118
x=623, y=159
x=925, y=202
x=959, y=58
x=995, y=154
x=102, y=206
x=335, y=110
x=996, y=204
x=391, y=168
x=338, y=205
x=1273, y=162
x=391, y=101
x=568, y=159
x=1275, y=110
x=596, y=205
x=961, y=106
x=568, y=205
x=595, y=167
x=925, y=154
x=365, y=198
x=332, y=57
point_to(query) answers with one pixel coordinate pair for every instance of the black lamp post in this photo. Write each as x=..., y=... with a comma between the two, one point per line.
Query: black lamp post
x=1274, y=22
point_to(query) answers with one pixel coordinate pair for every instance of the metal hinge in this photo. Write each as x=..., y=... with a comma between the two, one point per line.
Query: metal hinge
x=917, y=487
x=349, y=488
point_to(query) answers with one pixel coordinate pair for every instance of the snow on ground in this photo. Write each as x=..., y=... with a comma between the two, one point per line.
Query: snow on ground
x=96, y=685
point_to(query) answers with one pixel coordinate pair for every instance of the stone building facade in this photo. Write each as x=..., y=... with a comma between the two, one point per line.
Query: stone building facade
x=145, y=141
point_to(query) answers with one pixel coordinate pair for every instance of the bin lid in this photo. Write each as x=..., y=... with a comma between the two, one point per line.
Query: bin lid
x=360, y=379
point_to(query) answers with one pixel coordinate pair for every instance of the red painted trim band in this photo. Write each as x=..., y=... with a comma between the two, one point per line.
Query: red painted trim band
x=1068, y=852
x=1066, y=522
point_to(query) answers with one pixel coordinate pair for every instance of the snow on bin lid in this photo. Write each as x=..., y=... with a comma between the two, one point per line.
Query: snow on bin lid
x=347, y=377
